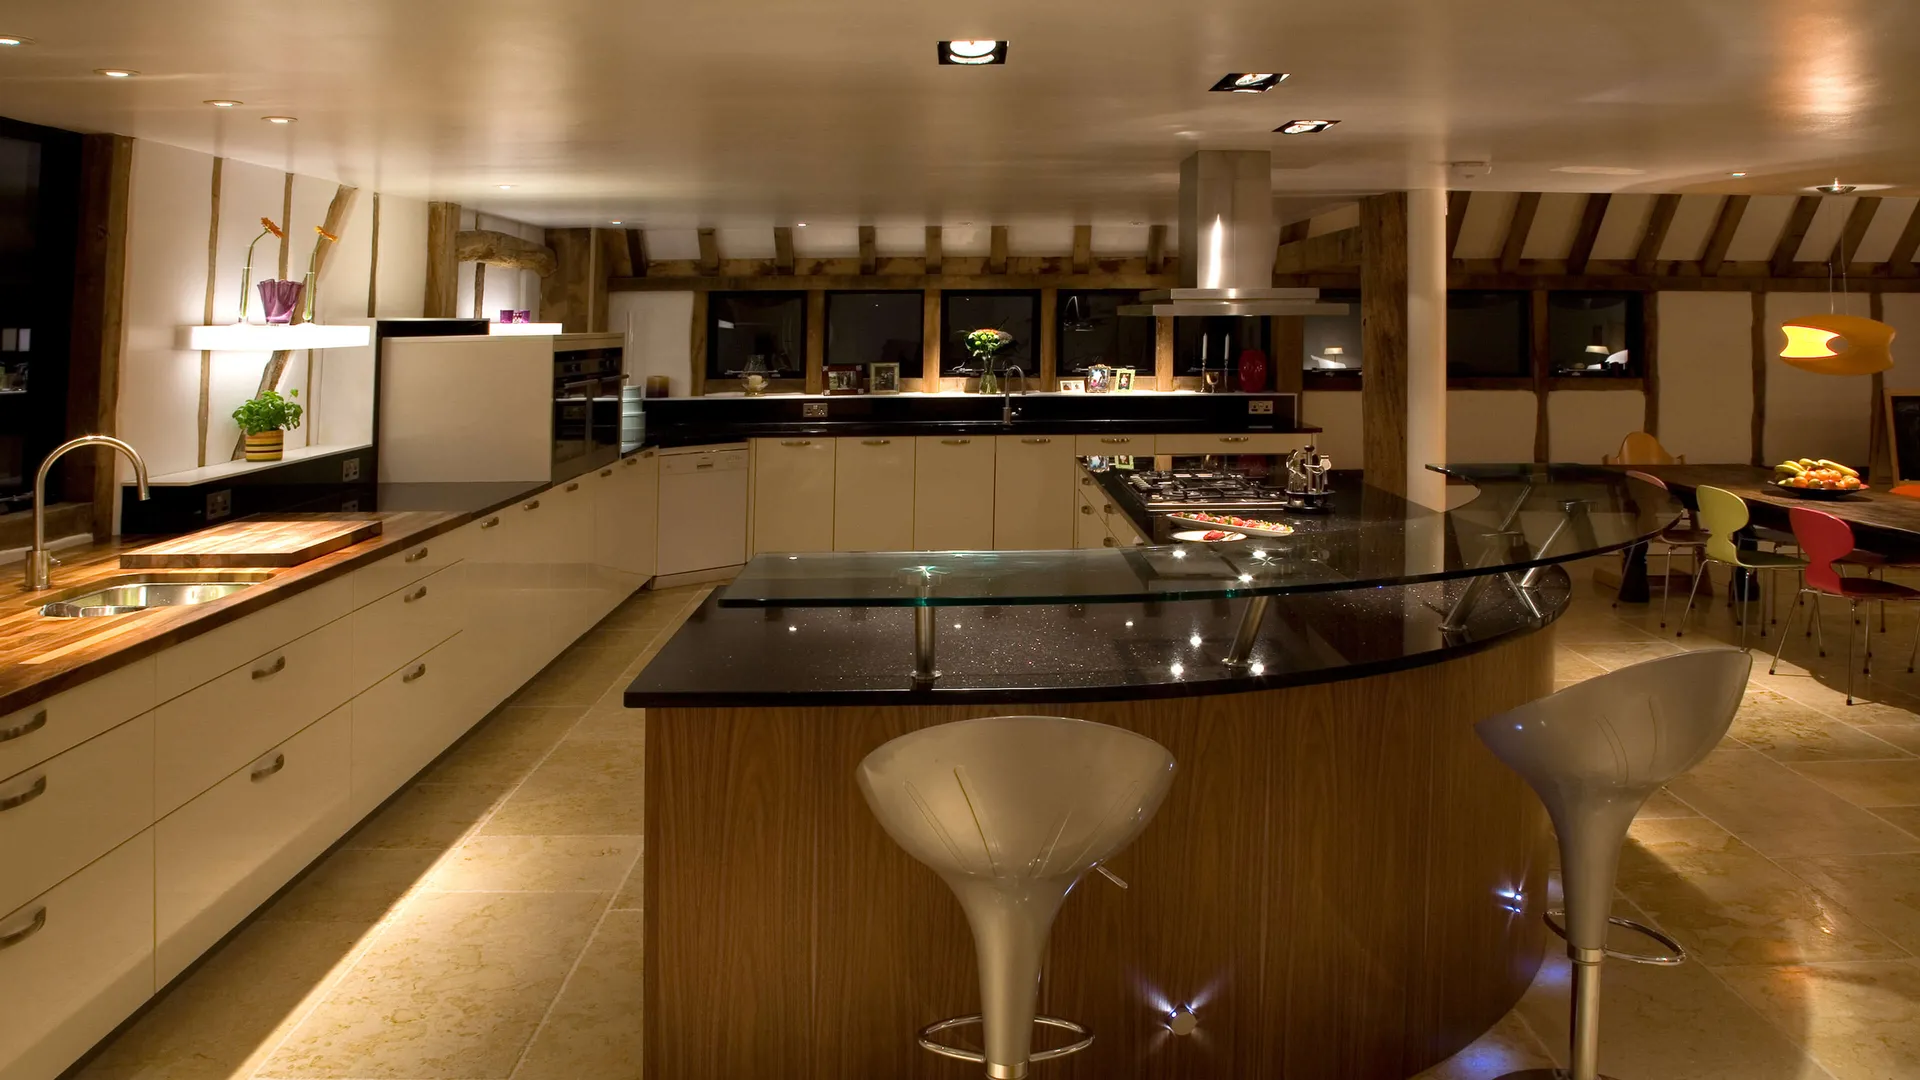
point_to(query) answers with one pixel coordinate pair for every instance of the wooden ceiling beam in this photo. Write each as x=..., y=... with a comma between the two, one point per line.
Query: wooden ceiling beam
x=1787, y=249
x=933, y=249
x=1518, y=228
x=1901, y=261
x=1848, y=246
x=1724, y=226
x=783, y=249
x=503, y=249
x=997, y=250
x=1082, y=249
x=1328, y=251
x=616, y=256
x=1647, y=259
x=1591, y=215
x=869, y=255
x=709, y=252
x=637, y=251
x=1456, y=217
x=1157, y=247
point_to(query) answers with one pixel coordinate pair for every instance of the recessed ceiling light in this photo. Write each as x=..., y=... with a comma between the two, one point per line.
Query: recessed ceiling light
x=506, y=187
x=222, y=103
x=1836, y=188
x=278, y=119
x=116, y=73
x=615, y=221
x=1598, y=170
x=1305, y=127
x=1248, y=82
x=973, y=53
x=1736, y=175
x=8, y=41
x=799, y=224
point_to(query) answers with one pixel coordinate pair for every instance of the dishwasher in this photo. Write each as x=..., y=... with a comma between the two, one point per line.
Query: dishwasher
x=703, y=508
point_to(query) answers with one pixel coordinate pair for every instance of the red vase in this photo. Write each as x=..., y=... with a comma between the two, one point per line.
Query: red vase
x=1253, y=371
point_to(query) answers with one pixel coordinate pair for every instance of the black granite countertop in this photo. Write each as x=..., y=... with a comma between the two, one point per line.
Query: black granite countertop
x=741, y=657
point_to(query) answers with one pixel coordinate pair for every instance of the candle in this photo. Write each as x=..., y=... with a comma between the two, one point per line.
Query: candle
x=1203, y=348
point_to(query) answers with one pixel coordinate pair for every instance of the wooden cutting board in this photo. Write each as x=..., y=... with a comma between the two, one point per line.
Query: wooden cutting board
x=281, y=540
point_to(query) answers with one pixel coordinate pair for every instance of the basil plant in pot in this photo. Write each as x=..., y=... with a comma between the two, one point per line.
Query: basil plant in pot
x=265, y=420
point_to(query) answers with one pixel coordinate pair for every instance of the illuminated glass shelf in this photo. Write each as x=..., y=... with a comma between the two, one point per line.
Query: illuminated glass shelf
x=256, y=337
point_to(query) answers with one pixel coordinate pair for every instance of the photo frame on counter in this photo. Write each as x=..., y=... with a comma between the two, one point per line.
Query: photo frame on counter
x=1073, y=386
x=1122, y=380
x=883, y=378
x=843, y=378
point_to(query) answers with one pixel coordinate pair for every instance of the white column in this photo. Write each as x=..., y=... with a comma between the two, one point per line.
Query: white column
x=1426, y=344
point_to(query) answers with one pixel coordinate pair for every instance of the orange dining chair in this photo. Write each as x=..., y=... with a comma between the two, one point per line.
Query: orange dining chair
x=1825, y=540
x=1640, y=448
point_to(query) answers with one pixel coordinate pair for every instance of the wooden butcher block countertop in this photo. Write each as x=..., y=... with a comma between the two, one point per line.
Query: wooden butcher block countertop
x=282, y=540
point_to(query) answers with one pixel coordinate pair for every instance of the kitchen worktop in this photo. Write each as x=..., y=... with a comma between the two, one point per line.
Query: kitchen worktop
x=41, y=656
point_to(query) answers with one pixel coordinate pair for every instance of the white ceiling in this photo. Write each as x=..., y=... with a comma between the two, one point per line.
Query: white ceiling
x=746, y=113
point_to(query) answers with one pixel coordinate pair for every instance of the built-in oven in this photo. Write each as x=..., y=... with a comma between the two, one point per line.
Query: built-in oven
x=586, y=406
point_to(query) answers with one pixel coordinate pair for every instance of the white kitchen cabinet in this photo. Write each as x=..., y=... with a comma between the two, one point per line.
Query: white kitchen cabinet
x=793, y=495
x=407, y=622
x=80, y=962
x=530, y=578
x=416, y=561
x=1088, y=529
x=406, y=720
x=1255, y=442
x=567, y=543
x=873, y=501
x=62, y=814
x=1033, y=503
x=626, y=504
x=499, y=629
x=202, y=659
x=703, y=500
x=230, y=849
x=1113, y=445
x=953, y=485
x=69, y=718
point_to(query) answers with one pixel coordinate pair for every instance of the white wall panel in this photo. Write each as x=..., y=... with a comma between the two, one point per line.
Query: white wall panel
x=1902, y=312
x=1484, y=232
x=664, y=244
x=1338, y=413
x=1760, y=227
x=1040, y=238
x=169, y=208
x=1706, y=375
x=1340, y=217
x=749, y=243
x=1120, y=239
x=1692, y=227
x=1817, y=416
x=402, y=275
x=958, y=239
x=1586, y=425
x=1554, y=224
x=1884, y=231
x=659, y=329
x=1490, y=425
x=903, y=240
x=1622, y=228
x=1828, y=223
x=824, y=241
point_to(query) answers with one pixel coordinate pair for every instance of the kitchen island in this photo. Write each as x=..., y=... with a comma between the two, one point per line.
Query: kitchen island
x=1342, y=882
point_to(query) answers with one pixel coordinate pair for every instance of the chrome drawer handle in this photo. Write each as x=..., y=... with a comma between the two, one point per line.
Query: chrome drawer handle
x=414, y=674
x=490, y=522
x=575, y=486
x=1108, y=509
x=797, y=442
x=1106, y=541
x=279, y=762
x=279, y=665
x=534, y=505
x=1085, y=509
x=39, y=721
x=38, y=789
x=876, y=442
x=39, y=923
x=606, y=472
x=636, y=460
x=1233, y=438
x=1036, y=442
x=1114, y=440
x=1086, y=481
x=704, y=465
x=417, y=594
x=956, y=442
x=416, y=556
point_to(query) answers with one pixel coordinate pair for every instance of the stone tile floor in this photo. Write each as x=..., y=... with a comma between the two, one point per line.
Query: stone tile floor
x=484, y=925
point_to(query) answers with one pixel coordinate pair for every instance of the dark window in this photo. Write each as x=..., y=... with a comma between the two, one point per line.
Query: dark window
x=1092, y=332
x=1487, y=335
x=1595, y=334
x=756, y=331
x=1219, y=338
x=1330, y=344
x=876, y=328
x=39, y=218
x=1014, y=313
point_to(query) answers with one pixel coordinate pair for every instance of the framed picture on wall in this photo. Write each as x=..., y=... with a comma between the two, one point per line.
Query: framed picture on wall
x=883, y=378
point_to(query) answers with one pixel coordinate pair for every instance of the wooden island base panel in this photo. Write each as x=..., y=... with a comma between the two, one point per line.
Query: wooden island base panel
x=1343, y=884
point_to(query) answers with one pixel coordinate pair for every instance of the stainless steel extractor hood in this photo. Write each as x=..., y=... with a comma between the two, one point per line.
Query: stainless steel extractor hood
x=1227, y=240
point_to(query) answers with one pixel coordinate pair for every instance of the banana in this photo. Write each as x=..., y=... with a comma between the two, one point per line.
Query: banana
x=1808, y=463
x=1836, y=466
x=1791, y=468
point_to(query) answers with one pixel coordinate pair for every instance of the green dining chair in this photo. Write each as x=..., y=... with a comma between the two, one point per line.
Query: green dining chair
x=1723, y=514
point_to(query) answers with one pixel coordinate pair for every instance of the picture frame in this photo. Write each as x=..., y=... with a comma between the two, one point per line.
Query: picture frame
x=843, y=379
x=883, y=378
x=1123, y=379
x=1903, y=436
x=1099, y=379
x=1073, y=386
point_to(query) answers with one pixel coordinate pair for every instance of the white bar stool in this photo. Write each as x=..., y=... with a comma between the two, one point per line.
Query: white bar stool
x=1595, y=753
x=1011, y=811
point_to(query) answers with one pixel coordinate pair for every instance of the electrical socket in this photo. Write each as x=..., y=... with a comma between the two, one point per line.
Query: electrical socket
x=813, y=410
x=219, y=504
x=350, y=470
x=1260, y=408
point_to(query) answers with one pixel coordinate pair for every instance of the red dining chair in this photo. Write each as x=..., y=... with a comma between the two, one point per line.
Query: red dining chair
x=1825, y=539
x=1683, y=535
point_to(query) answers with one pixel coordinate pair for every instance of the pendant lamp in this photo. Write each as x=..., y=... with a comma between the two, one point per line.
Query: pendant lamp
x=1838, y=344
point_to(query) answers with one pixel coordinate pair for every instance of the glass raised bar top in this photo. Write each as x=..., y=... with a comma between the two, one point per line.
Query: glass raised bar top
x=1519, y=517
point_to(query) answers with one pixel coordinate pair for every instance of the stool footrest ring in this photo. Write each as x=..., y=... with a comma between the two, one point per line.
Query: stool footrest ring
x=928, y=1042
x=1676, y=955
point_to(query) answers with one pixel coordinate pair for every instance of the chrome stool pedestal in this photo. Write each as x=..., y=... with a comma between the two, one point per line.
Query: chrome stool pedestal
x=1011, y=812
x=1595, y=753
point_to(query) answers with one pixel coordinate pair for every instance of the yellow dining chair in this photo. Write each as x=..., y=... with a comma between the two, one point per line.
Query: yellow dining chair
x=1723, y=514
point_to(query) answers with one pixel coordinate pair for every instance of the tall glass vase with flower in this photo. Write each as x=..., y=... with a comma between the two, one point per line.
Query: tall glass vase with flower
x=246, y=273
x=983, y=345
x=321, y=237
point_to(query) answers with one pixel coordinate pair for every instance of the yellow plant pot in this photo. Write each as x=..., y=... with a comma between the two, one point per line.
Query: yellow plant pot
x=266, y=445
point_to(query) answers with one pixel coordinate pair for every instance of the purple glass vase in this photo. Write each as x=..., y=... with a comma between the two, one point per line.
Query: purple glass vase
x=280, y=299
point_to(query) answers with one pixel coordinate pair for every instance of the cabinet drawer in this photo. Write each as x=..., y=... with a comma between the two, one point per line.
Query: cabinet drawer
x=204, y=735
x=39, y=731
x=216, y=652
x=407, y=622
x=412, y=563
x=223, y=854
x=84, y=964
x=1112, y=445
x=408, y=719
x=1253, y=442
x=64, y=813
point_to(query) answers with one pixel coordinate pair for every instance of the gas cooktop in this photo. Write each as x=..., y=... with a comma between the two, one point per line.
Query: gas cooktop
x=1202, y=489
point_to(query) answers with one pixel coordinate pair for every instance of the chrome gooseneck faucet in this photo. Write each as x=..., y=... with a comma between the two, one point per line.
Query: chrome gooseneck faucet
x=39, y=561
x=1007, y=412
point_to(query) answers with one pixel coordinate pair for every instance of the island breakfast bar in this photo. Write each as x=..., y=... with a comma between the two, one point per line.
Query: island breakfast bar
x=1343, y=882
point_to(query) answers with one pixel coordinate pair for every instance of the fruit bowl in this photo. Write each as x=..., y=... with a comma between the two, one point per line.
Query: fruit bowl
x=1817, y=494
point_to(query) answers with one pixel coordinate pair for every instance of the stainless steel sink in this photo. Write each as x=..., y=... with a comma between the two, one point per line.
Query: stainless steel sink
x=139, y=592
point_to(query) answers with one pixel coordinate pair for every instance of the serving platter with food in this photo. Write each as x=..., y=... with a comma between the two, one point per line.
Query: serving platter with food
x=1810, y=478
x=1232, y=523
x=1208, y=536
